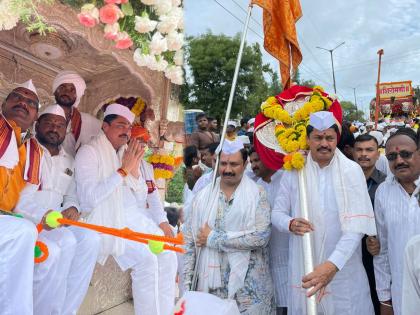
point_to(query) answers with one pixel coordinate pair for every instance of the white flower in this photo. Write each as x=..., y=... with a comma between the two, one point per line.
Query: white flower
x=111, y=31
x=179, y=57
x=176, y=3
x=158, y=44
x=163, y=6
x=175, y=74
x=161, y=63
x=149, y=2
x=144, y=24
x=179, y=14
x=143, y=60
x=8, y=19
x=175, y=40
x=167, y=24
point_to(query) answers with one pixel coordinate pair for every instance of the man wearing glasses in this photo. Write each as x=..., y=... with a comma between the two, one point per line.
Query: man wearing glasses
x=397, y=214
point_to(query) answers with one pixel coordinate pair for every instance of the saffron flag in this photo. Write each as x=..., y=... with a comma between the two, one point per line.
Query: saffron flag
x=280, y=37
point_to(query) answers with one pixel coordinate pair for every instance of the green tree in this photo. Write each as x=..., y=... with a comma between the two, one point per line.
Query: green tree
x=210, y=62
x=350, y=112
x=176, y=187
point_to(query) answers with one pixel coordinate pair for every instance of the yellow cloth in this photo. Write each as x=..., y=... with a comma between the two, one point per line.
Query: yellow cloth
x=280, y=37
x=11, y=180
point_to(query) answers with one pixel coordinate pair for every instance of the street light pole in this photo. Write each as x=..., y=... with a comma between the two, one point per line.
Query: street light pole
x=355, y=103
x=332, y=61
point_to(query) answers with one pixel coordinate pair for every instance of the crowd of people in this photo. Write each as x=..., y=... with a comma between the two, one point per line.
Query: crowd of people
x=365, y=204
x=242, y=227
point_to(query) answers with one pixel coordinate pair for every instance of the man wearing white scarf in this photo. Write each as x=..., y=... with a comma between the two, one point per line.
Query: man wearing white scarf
x=68, y=88
x=340, y=213
x=111, y=188
x=62, y=281
x=231, y=224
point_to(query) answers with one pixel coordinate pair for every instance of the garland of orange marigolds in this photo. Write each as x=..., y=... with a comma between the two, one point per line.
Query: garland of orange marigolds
x=290, y=130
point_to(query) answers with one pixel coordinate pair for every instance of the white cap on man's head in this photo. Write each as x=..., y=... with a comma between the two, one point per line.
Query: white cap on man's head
x=322, y=120
x=232, y=123
x=231, y=146
x=29, y=86
x=251, y=122
x=54, y=110
x=74, y=78
x=120, y=110
x=378, y=136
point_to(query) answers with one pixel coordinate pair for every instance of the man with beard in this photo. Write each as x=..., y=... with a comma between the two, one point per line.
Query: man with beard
x=61, y=282
x=340, y=213
x=111, y=188
x=279, y=241
x=68, y=88
x=231, y=224
x=18, y=235
x=202, y=137
x=397, y=212
x=366, y=154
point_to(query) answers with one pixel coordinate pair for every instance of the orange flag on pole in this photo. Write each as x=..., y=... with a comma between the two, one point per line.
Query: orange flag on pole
x=280, y=37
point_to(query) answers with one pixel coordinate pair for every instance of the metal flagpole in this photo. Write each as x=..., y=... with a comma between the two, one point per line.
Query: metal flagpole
x=308, y=258
x=223, y=135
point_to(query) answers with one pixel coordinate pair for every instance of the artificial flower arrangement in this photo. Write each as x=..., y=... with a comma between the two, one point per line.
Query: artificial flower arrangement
x=290, y=130
x=153, y=27
x=163, y=165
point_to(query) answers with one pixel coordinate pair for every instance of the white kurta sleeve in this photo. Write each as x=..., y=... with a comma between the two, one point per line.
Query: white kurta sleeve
x=345, y=248
x=28, y=205
x=380, y=261
x=70, y=198
x=280, y=216
x=155, y=209
x=90, y=190
x=411, y=281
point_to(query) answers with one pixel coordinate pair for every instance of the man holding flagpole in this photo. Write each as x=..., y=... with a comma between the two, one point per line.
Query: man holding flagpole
x=340, y=213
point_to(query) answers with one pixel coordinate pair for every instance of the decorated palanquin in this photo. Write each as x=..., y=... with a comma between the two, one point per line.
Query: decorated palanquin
x=280, y=128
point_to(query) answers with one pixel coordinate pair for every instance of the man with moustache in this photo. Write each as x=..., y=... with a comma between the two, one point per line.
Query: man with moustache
x=279, y=241
x=340, y=213
x=68, y=88
x=20, y=157
x=112, y=190
x=231, y=224
x=61, y=282
x=397, y=212
x=366, y=154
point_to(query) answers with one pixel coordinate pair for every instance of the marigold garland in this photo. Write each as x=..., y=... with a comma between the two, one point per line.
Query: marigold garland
x=138, y=107
x=290, y=131
x=163, y=165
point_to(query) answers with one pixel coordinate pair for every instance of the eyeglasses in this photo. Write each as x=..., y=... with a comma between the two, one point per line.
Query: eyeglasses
x=406, y=155
x=17, y=97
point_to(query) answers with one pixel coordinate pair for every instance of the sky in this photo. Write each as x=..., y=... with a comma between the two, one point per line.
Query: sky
x=364, y=26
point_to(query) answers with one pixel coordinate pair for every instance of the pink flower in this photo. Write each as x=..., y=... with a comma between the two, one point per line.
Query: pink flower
x=110, y=13
x=111, y=31
x=123, y=41
x=116, y=1
x=86, y=19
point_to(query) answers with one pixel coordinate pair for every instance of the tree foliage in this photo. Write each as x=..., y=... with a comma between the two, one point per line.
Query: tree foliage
x=350, y=112
x=210, y=62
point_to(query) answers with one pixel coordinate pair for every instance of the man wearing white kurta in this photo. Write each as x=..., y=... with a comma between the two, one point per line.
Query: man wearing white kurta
x=110, y=186
x=61, y=282
x=397, y=214
x=18, y=235
x=279, y=241
x=340, y=212
x=68, y=88
x=411, y=280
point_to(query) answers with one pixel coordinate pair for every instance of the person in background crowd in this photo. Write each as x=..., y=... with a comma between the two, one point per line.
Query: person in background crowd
x=346, y=142
x=213, y=125
x=202, y=137
x=366, y=154
x=397, y=212
x=279, y=241
x=244, y=127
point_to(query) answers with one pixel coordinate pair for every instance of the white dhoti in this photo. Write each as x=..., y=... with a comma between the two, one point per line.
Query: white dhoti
x=67, y=271
x=17, y=243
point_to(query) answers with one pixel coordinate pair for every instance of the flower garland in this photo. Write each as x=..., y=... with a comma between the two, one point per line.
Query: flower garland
x=163, y=165
x=153, y=27
x=290, y=131
x=138, y=106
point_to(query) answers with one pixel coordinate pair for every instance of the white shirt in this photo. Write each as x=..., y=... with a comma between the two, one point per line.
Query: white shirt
x=383, y=165
x=411, y=281
x=90, y=128
x=397, y=219
x=279, y=244
x=57, y=190
x=202, y=182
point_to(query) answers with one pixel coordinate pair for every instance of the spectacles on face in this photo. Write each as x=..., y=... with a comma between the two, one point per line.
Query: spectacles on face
x=17, y=97
x=404, y=154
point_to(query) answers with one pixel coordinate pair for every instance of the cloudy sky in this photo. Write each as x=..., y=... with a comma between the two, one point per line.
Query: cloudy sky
x=364, y=26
